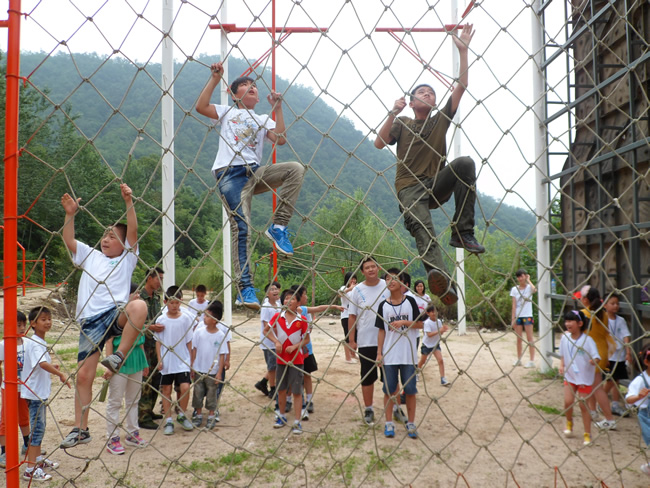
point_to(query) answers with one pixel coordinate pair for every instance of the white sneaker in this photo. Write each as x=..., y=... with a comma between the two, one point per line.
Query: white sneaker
x=645, y=468
x=594, y=415
x=37, y=474
x=530, y=365
x=516, y=363
x=606, y=425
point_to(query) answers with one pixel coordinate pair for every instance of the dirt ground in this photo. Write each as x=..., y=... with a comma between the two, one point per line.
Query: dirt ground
x=495, y=426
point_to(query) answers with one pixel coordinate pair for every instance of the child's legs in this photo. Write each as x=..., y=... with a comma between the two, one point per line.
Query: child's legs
x=530, y=338
x=166, y=391
x=309, y=386
x=519, y=329
x=116, y=390
x=184, y=395
x=131, y=399
x=37, y=417
x=199, y=391
x=422, y=361
x=281, y=388
x=287, y=176
x=221, y=383
x=612, y=386
x=407, y=376
x=390, y=389
x=211, y=397
x=271, y=364
x=441, y=364
x=23, y=416
x=131, y=322
x=367, y=358
x=569, y=398
x=601, y=396
x=583, y=391
x=84, y=389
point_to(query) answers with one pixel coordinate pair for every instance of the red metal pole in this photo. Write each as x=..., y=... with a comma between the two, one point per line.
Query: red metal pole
x=10, y=239
x=275, y=196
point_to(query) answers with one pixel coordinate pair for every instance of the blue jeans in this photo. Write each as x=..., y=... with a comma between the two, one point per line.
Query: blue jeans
x=96, y=330
x=406, y=372
x=37, y=411
x=237, y=185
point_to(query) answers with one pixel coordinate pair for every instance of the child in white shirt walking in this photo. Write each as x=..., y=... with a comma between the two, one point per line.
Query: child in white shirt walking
x=578, y=357
x=637, y=394
x=433, y=329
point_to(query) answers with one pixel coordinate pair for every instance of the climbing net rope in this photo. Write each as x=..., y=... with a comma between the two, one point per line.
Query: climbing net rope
x=90, y=119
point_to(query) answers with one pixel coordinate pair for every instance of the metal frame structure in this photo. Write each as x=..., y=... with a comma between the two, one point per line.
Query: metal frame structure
x=596, y=124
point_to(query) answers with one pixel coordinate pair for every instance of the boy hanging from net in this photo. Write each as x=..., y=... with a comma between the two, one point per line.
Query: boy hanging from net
x=103, y=307
x=239, y=174
x=425, y=181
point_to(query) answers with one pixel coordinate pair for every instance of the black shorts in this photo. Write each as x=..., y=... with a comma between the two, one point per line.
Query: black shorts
x=310, y=364
x=618, y=370
x=368, y=361
x=175, y=378
x=344, y=323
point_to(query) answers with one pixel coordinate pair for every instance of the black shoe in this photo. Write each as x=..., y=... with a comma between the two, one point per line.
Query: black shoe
x=149, y=425
x=156, y=416
x=467, y=241
x=440, y=285
x=261, y=385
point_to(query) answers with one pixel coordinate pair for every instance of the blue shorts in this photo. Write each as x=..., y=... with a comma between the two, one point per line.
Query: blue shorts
x=96, y=330
x=524, y=321
x=405, y=372
x=271, y=359
x=425, y=351
x=37, y=415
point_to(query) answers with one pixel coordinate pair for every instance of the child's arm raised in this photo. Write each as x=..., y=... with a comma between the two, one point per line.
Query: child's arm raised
x=131, y=217
x=70, y=205
x=203, y=105
x=462, y=43
x=277, y=135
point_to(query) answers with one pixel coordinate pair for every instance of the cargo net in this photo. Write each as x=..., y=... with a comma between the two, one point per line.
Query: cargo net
x=90, y=120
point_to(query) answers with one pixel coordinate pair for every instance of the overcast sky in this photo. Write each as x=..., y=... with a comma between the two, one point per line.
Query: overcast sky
x=349, y=62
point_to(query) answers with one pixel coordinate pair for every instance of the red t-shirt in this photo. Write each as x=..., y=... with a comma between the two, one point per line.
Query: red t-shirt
x=289, y=335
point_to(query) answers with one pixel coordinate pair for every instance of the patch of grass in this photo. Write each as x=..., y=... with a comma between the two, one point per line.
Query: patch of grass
x=235, y=458
x=538, y=377
x=349, y=467
x=546, y=409
x=375, y=463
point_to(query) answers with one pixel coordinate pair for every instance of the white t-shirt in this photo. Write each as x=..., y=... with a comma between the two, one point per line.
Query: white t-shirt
x=423, y=302
x=20, y=354
x=173, y=343
x=197, y=308
x=636, y=385
x=524, y=303
x=105, y=282
x=400, y=347
x=364, y=302
x=222, y=327
x=618, y=329
x=345, y=302
x=431, y=326
x=577, y=354
x=266, y=314
x=242, y=136
x=38, y=384
x=209, y=347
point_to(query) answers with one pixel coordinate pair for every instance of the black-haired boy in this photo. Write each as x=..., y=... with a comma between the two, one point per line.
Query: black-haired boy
x=239, y=174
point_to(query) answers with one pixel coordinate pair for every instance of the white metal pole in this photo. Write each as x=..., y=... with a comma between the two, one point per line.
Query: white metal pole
x=545, y=341
x=227, y=263
x=167, y=143
x=460, y=253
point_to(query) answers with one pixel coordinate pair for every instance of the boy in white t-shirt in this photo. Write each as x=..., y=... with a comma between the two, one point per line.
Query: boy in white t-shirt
x=103, y=306
x=239, y=174
x=621, y=334
x=433, y=329
x=173, y=347
x=270, y=307
x=23, y=408
x=364, y=301
x=399, y=328
x=198, y=305
x=578, y=358
x=208, y=359
x=36, y=389
x=522, y=315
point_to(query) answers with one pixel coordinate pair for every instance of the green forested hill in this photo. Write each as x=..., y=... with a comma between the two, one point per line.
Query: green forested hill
x=116, y=105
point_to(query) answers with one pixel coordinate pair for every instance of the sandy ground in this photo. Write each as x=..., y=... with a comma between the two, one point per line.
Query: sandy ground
x=486, y=430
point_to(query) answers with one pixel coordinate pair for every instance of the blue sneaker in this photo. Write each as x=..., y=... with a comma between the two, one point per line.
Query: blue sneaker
x=411, y=430
x=280, y=422
x=389, y=429
x=281, y=239
x=248, y=298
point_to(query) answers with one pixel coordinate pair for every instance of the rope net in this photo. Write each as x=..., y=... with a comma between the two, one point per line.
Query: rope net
x=90, y=120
